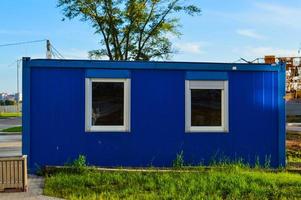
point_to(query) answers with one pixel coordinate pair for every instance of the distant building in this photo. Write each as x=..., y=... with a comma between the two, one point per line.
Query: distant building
x=3, y=96
x=18, y=97
x=11, y=97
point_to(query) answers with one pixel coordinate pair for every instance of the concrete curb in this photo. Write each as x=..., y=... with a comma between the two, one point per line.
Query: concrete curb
x=10, y=133
x=293, y=124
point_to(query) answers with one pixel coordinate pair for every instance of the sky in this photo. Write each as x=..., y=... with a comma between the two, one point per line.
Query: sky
x=224, y=32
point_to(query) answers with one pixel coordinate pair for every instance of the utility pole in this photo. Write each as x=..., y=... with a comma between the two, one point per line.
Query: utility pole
x=18, y=91
x=48, y=50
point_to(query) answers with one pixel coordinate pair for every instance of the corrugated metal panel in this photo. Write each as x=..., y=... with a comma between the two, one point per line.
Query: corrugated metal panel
x=157, y=122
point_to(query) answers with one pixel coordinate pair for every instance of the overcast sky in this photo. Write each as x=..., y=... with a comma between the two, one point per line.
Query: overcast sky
x=226, y=31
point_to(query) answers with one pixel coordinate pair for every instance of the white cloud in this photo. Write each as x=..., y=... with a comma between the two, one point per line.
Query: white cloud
x=280, y=10
x=278, y=14
x=249, y=33
x=189, y=47
x=171, y=36
x=265, y=15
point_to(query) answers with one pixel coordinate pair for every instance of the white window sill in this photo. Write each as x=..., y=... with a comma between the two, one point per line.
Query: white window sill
x=107, y=129
x=205, y=129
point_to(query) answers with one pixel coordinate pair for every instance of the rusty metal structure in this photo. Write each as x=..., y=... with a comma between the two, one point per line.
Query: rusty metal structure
x=293, y=75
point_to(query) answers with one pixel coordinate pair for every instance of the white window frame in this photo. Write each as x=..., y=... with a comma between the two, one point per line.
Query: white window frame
x=203, y=84
x=88, y=106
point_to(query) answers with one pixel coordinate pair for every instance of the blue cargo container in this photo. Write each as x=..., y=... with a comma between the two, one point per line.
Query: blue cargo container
x=145, y=113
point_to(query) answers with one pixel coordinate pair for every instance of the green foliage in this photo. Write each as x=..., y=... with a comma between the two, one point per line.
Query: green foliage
x=4, y=114
x=179, y=161
x=17, y=129
x=226, y=183
x=267, y=162
x=78, y=165
x=9, y=102
x=225, y=162
x=131, y=29
x=257, y=163
x=80, y=162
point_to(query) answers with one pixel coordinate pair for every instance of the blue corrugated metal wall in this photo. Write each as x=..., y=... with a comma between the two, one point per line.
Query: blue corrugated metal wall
x=57, y=120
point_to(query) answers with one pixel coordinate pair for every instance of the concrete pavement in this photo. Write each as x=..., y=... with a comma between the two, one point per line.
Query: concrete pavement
x=10, y=145
x=10, y=122
x=35, y=191
x=293, y=127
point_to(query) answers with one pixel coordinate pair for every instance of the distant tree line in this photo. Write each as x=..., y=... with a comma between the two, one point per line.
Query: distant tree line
x=7, y=103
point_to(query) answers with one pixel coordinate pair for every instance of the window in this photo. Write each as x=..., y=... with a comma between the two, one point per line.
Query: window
x=107, y=104
x=206, y=107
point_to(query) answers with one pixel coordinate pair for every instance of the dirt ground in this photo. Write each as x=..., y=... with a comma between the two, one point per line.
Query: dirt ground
x=293, y=148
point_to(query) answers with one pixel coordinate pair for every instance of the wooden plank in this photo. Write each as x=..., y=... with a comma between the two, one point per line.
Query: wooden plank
x=1, y=172
x=10, y=158
x=16, y=181
x=4, y=172
x=25, y=181
x=7, y=174
x=20, y=172
x=1, y=177
x=12, y=174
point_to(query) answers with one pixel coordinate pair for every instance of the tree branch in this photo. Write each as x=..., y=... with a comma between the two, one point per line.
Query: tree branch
x=157, y=25
x=114, y=31
x=143, y=29
x=94, y=14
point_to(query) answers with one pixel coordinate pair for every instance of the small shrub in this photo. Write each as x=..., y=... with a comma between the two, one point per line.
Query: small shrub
x=79, y=165
x=267, y=162
x=179, y=161
x=81, y=161
x=257, y=163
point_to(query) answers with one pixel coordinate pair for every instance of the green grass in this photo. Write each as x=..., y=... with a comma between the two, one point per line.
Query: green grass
x=5, y=115
x=13, y=129
x=228, y=183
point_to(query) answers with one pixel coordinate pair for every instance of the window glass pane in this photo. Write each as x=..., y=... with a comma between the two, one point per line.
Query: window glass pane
x=107, y=103
x=206, y=108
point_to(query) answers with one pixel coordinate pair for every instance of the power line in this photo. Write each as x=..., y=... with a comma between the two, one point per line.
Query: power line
x=56, y=52
x=50, y=48
x=21, y=43
x=10, y=65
